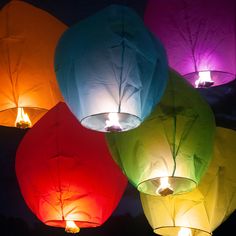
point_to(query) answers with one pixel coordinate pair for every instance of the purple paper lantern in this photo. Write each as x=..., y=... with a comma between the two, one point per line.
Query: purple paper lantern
x=199, y=36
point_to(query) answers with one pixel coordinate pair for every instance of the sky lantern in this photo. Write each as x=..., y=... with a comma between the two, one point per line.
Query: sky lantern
x=28, y=38
x=199, y=37
x=66, y=174
x=111, y=70
x=200, y=212
x=171, y=150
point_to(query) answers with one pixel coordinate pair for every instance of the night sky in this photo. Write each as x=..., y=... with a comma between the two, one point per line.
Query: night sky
x=128, y=218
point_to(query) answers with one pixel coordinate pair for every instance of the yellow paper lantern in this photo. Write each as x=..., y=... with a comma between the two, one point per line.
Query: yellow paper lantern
x=200, y=212
x=28, y=38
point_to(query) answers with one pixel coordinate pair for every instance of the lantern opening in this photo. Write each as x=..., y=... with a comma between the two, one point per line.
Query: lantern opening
x=164, y=188
x=166, y=185
x=180, y=231
x=185, y=232
x=22, y=119
x=71, y=227
x=112, y=124
x=204, y=79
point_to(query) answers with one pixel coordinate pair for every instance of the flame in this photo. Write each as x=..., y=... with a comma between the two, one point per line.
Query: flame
x=164, y=183
x=204, y=79
x=22, y=119
x=112, y=124
x=184, y=232
x=71, y=227
x=164, y=187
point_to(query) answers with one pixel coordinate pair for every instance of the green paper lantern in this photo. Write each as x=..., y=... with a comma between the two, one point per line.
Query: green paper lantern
x=201, y=211
x=171, y=150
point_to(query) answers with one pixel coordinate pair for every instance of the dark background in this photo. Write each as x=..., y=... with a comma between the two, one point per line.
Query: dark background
x=128, y=218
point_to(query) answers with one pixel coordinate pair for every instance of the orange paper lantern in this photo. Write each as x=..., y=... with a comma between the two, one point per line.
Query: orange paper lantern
x=28, y=38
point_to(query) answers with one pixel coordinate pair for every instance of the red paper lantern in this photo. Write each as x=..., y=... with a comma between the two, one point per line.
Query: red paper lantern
x=66, y=174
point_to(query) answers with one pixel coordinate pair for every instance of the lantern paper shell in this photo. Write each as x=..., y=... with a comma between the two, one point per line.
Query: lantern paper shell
x=175, y=141
x=65, y=172
x=199, y=37
x=205, y=208
x=110, y=63
x=28, y=38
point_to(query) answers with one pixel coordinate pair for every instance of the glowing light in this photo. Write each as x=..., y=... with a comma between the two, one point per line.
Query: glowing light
x=112, y=124
x=164, y=188
x=71, y=227
x=184, y=232
x=22, y=119
x=204, y=79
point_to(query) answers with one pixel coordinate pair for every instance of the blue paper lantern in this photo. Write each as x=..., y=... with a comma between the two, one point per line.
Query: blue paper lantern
x=111, y=70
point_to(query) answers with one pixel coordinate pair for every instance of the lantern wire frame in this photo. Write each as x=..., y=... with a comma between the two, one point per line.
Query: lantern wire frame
x=102, y=122
x=174, y=185
x=178, y=231
x=9, y=116
x=217, y=78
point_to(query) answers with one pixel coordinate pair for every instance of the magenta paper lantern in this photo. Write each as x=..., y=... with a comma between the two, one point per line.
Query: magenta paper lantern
x=199, y=37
